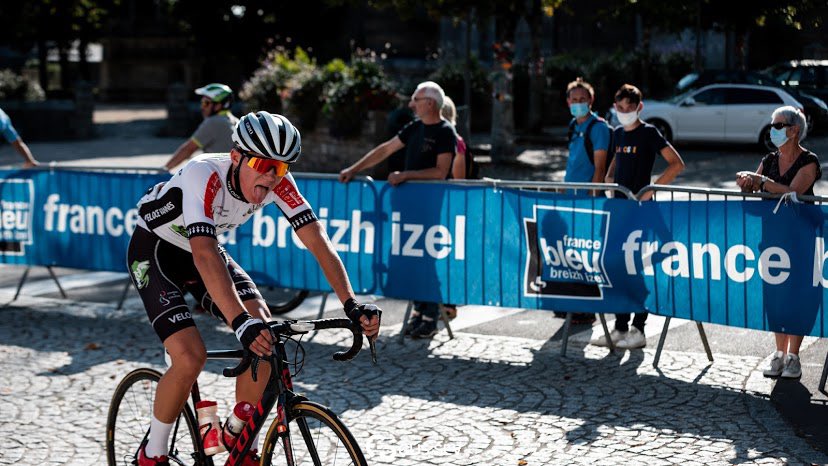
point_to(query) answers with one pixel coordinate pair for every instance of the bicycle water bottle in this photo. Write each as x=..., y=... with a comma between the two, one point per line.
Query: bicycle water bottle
x=209, y=427
x=235, y=423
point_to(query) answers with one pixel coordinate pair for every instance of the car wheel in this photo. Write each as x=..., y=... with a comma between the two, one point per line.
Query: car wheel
x=765, y=140
x=663, y=128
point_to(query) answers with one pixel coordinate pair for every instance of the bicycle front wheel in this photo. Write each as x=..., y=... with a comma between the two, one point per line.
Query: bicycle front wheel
x=316, y=437
x=130, y=413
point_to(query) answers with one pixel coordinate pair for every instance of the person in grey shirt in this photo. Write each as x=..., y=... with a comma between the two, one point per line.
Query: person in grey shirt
x=214, y=133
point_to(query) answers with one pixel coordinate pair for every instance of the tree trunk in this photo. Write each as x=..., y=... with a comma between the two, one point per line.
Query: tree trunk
x=535, y=120
x=467, y=80
x=42, y=70
x=63, y=58
x=83, y=61
x=503, y=117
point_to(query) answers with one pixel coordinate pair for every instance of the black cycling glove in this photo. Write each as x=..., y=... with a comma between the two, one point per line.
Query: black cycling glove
x=247, y=328
x=355, y=311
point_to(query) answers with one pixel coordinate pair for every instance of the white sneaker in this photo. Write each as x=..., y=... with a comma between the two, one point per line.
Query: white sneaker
x=633, y=340
x=777, y=364
x=615, y=336
x=793, y=368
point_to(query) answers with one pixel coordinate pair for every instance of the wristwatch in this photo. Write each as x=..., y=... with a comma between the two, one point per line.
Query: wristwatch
x=762, y=183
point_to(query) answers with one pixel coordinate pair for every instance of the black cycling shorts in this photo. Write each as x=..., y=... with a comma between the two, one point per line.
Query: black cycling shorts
x=162, y=273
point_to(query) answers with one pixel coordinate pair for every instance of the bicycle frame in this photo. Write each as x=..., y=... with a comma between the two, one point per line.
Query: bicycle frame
x=279, y=388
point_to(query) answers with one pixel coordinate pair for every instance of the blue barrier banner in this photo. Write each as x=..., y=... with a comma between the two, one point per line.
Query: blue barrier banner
x=728, y=262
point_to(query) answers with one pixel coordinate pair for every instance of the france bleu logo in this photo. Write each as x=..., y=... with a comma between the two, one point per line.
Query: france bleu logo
x=16, y=210
x=565, y=253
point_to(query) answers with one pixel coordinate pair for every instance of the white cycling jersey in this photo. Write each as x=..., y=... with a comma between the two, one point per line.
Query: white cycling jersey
x=199, y=201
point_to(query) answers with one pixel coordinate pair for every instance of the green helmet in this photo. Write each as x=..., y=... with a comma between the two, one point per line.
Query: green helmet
x=218, y=93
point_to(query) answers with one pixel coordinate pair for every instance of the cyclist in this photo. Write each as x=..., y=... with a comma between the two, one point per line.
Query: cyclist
x=174, y=250
x=214, y=133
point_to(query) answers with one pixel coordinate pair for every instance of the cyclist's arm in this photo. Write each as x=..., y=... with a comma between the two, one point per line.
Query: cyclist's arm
x=213, y=272
x=313, y=236
x=181, y=154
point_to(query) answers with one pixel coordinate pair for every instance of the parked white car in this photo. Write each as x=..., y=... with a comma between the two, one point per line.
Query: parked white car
x=739, y=113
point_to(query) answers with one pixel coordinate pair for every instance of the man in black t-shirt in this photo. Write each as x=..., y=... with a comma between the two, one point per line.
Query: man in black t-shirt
x=429, y=143
x=636, y=144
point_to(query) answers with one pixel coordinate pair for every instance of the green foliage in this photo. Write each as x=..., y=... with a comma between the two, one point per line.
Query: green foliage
x=270, y=84
x=353, y=91
x=295, y=84
x=15, y=87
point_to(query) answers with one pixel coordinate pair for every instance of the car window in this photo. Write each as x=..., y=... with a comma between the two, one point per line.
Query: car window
x=743, y=96
x=803, y=78
x=714, y=96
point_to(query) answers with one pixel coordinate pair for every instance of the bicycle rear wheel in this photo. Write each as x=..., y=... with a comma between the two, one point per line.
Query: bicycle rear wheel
x=130, y=413
x=317, y=437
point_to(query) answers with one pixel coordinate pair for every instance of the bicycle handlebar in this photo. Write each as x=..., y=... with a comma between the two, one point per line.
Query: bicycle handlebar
x=290, y=328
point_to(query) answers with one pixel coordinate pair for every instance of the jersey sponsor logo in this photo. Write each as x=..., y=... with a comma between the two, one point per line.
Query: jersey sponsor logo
x=213, y=186
x=165, y=296
x=180, y=317
x=288, y=193
x=140, y=273
x=179, y=230
x=163, y=210
x=166, y=208
x=247, y=292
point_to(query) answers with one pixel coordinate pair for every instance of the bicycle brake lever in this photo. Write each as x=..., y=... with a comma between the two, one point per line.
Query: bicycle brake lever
x=373, y=345
x=255, y=367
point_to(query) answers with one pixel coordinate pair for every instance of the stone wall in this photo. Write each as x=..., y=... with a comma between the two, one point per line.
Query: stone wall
x=323, y=153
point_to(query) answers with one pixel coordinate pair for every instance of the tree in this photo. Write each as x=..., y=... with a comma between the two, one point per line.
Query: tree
x=57, y=22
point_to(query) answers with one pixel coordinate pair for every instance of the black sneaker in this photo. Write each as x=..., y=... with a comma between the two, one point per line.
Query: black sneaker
x=413, y=323
x=427, y=329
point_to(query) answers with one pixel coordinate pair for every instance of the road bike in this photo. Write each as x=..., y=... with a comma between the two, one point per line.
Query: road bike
x=303, y=432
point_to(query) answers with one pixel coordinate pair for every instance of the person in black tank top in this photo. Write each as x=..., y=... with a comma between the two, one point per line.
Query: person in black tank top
x=792, y=168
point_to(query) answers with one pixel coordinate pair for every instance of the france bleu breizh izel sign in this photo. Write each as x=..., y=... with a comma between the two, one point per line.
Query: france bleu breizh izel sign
x=735, y=263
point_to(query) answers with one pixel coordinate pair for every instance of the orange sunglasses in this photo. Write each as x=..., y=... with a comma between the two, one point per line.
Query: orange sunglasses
x=263, y=165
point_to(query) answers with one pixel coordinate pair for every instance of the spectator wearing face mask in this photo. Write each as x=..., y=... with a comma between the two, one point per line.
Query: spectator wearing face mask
x=589, y=140
x=791, y=168
x=636, y=145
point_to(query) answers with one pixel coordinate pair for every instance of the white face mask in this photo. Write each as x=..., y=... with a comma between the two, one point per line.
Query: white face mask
x=626, y=119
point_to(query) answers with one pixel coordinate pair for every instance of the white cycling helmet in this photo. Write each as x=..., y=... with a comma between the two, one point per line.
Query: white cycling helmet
x=268, y=135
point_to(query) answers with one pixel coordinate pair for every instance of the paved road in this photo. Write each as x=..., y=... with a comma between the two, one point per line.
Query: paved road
x=498, y=394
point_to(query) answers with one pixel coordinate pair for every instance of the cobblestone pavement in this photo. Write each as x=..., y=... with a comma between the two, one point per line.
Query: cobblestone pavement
x=477, y=399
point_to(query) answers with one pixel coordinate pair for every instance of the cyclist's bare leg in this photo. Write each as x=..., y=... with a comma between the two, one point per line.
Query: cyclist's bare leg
x=246, y=389
x=188, y=354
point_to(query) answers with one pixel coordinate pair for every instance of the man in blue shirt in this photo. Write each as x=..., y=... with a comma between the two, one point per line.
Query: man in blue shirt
x=10, y=134
x=579, y=166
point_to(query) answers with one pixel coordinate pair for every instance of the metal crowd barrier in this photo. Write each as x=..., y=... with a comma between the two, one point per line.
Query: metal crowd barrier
x=662, y=193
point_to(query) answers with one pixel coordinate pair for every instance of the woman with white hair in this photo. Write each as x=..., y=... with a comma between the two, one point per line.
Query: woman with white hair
x=792, y=168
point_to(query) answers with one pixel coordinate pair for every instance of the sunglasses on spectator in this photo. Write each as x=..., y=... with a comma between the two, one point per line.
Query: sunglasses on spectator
x=264, y=165
x=206, y=102
x=417, y=99
x=781, y=125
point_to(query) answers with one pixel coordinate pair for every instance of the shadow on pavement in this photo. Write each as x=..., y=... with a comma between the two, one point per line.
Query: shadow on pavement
x=591, y=398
